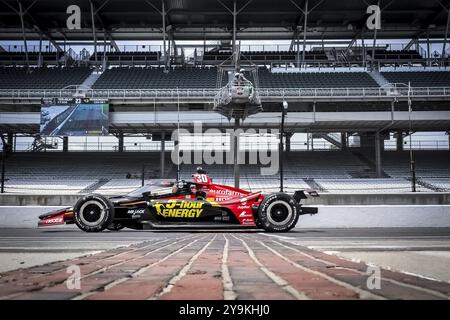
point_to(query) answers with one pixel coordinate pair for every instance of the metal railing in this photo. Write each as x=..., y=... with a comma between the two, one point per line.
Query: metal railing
x=209, y=94
x=401, y=64
x=223, y=145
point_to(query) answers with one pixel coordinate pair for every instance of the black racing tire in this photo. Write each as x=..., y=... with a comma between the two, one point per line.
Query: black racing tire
x=258, y=223
x=93, y=213
x=115, y=226
x=278, y=212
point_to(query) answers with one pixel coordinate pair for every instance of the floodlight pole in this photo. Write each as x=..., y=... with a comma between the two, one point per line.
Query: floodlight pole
x=304, y=33
x=234, y=36
x=163, y=13
x=411, y=154
x=374, y=43
x=3, y=164
x=94, y=35
x=363, y=44
x=178, y=135
x=236, y=153
x=24, y=34
x=284, y=107
x=163, y=151
x=3, y=169
x=446, y=33
x=40, y=50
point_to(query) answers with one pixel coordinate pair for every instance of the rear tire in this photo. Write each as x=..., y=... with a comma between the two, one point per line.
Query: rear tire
x=278, y=212
x=93, y=213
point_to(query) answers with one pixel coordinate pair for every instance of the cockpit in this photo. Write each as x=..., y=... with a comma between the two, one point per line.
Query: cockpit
x=165, y=188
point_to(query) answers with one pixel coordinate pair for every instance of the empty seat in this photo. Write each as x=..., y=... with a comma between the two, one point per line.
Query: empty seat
x=420, y=79
x=41, y=78
x=156, y=78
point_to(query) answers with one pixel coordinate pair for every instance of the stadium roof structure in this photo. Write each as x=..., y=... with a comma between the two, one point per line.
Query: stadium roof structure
x=213, y=19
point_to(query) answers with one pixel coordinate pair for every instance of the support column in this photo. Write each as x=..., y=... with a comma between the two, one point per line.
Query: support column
x=14, y=146
x=24, y=35
x=428, y=47
x=399, y=139
x=297, y=38
x=378, y=154
x=40, y=62
x=288, y=141
x=281, y=150
x=65, y=144
x=163, y=13
x=94, y=35
x=120, y=137
x=344, y=141
x=304, y=33
x=363, y=44
x=235, y=145
x=10, y=139
x=163, y=152
x=3, y=165
x=446, y=33
x=374, y=44
x=6, y=148
x=307, y=141
x=448, y=134
x=104, y=50
x=236, y=58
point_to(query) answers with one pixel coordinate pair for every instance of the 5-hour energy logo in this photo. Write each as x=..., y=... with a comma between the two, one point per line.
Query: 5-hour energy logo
x=179, y=209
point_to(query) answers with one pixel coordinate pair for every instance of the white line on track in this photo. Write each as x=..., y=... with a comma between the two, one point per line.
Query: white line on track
x=320, y=248
x=183, y=271
x=275, y=278
x=136, y=273
x=97, y=271
x=362, y=293
x=345, y=237
x=228, y=292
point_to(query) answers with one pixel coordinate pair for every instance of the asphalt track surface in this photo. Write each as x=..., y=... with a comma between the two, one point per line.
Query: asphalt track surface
x=85, y=118
x=301, y=264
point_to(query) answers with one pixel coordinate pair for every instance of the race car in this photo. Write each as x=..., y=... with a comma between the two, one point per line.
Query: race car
x=172, y=204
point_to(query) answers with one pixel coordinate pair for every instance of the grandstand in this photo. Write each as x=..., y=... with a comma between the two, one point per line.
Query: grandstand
x=347, y=89
x=41, y=78
x=156, y=78
x=328, y=171
x=419, y=79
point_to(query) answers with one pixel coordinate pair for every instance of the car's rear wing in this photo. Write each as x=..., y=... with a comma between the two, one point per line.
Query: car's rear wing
x=305, y=194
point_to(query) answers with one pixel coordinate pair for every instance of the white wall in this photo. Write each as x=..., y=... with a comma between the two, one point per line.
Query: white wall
x=328, y=217
x=377, y=217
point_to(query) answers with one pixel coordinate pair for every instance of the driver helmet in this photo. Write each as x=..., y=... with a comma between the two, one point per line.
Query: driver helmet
x=179, y=186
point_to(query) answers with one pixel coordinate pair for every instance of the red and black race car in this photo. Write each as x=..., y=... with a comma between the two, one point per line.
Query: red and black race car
x=200, y=203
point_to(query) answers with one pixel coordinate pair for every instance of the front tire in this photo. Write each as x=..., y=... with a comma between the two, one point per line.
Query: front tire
x=93, y=213
x=278, y=212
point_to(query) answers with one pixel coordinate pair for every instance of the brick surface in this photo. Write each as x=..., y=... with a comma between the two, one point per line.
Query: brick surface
x=354, y=274
x=203, y=280
x=143, y=271
x=152, y=280
x=313, y=286
x=249, y=281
